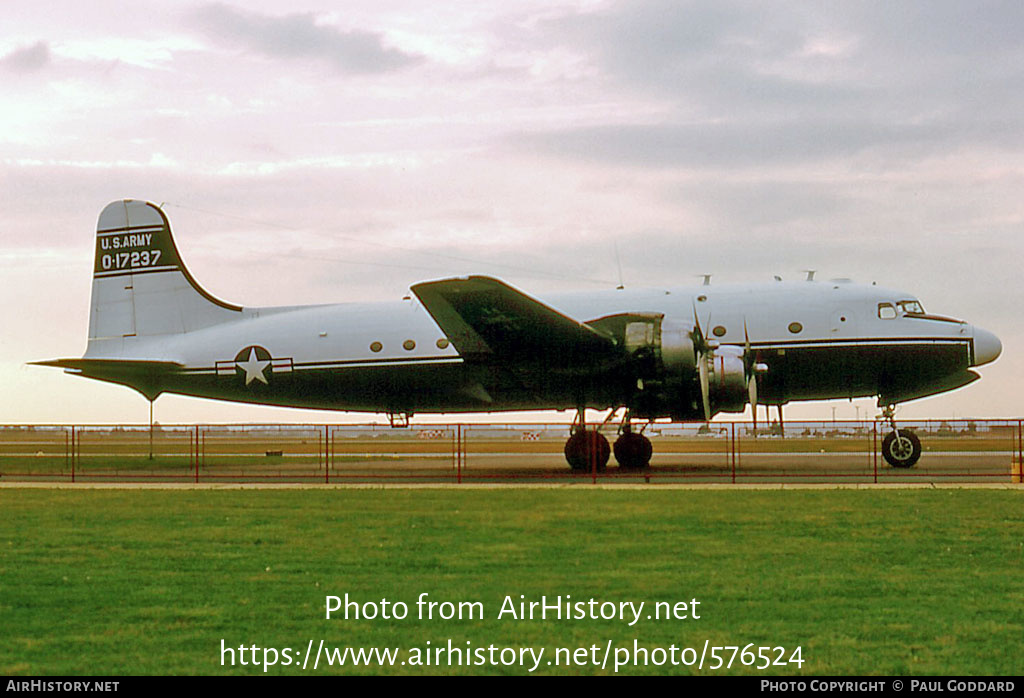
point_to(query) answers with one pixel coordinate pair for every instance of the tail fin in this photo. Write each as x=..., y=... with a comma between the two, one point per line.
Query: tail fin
x=140, y=286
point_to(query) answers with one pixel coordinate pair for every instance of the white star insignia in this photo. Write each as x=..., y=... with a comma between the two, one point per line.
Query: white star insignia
x=253, y=368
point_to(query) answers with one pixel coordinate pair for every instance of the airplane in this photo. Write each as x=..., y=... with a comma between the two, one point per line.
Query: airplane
x=476, y=344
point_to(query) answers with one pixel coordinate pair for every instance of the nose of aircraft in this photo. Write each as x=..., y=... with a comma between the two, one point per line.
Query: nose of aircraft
x=987, y=347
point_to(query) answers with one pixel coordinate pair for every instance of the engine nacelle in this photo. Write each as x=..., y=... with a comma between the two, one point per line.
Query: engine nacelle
x=678, y=353
x=727, y=379
x=666, y=370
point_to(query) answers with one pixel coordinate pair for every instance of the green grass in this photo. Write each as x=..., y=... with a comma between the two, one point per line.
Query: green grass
x=865, y=582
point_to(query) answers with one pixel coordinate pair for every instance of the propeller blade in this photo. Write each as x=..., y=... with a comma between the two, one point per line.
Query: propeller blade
x=705, y=388
x=748, y=363
x=752, y=394
x=699, y=343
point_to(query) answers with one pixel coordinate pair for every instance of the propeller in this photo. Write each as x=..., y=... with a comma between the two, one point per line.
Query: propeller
x=751, y=376
x=704, y=351
x=753, y=368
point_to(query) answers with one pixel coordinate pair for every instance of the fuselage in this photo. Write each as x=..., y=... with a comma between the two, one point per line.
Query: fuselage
x=817, y=340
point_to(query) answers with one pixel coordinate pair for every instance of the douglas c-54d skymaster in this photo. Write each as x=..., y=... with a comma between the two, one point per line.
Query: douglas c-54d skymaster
x=475, y=344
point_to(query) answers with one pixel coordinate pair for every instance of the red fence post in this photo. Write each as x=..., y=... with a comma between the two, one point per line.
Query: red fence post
x=460, y=454
x=74, y=445
x=874, y=448
x=197, y=453
x=735, y=452
x=1020, y=450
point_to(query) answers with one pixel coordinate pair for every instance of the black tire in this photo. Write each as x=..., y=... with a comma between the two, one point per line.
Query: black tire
x=579, y=447
x=903, y=453
x=633, y=451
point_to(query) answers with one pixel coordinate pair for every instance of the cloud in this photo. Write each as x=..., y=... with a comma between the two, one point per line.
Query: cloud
x=713, y=53
x=27, y=59
x=301, y=36
x=741, y=84
x=721, y=145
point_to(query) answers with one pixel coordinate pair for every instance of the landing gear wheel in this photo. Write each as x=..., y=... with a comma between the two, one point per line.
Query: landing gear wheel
x=584, y=449
x=633, y=451
x=901, y=451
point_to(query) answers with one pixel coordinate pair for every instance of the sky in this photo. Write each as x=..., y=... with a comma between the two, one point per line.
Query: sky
x=310, y=152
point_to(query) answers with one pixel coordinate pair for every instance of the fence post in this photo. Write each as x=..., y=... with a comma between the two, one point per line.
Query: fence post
x=197, y=453
x=460, y=452
x=74, y=446
x=735, y=450
x=874, y=448
x=1020, y=450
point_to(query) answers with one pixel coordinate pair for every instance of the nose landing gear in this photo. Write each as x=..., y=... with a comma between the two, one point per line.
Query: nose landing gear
x=901, y=448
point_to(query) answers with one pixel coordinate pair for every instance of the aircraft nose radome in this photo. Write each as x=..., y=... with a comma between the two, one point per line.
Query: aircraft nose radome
x=987, y=347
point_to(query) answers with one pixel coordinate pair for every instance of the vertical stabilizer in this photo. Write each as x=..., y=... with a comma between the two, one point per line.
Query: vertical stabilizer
x=140, y=286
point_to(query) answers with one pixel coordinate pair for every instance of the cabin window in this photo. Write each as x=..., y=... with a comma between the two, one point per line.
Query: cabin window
x=719, y=331
x=886, y=311
x=408, y=345
x=796, y=327
x=376, y=346
x=911, y=307
x=442, y=343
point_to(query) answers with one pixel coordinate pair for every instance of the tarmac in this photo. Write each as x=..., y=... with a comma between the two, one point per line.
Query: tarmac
x=507, y=485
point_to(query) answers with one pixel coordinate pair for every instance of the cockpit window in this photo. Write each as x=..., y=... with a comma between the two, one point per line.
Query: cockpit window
x=886, y=311
x=912, y=307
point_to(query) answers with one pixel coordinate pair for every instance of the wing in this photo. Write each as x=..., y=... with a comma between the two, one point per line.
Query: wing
x=488, y=320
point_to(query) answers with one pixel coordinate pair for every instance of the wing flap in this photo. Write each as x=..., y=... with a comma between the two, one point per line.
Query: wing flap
x=488, y=320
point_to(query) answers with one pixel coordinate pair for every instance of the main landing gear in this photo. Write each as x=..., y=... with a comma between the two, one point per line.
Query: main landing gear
x=587, y=449
x=633, y=450
x=900, y=447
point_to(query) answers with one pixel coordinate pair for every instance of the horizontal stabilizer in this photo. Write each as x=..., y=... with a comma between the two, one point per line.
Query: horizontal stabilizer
x=486, y=319
x=108, y=366
x=143, y=375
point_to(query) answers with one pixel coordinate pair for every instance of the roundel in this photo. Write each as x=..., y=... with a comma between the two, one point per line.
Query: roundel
x=255, y=364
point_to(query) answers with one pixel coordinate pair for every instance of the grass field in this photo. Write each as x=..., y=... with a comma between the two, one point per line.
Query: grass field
x=864, y=582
